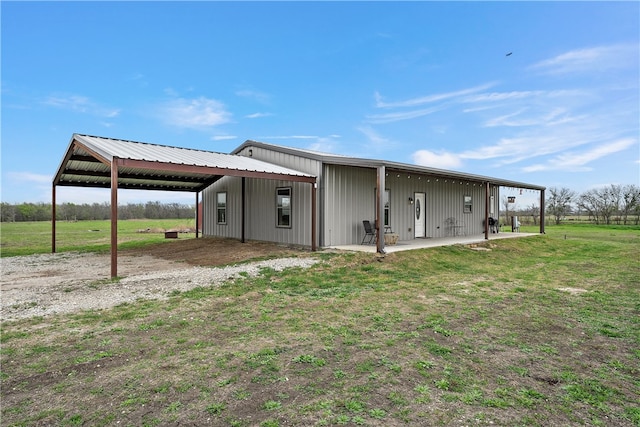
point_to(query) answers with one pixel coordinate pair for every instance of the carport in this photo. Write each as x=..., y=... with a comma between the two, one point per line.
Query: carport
x=92, y=161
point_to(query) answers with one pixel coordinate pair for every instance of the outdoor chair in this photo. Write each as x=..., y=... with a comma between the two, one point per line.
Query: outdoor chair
x=370, y=232
x=493, y=225
x=452, y=227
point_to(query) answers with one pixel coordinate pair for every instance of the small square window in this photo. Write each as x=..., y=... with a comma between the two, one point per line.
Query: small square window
x=467, y=204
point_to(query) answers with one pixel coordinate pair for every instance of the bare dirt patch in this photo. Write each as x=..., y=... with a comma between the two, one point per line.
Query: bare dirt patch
x=46, y=284
x=212, y=251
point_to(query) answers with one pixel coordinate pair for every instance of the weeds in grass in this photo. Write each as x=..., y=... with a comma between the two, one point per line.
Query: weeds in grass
x=354, y=341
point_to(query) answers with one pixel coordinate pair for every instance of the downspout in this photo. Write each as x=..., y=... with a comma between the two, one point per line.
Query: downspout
x=380, y=209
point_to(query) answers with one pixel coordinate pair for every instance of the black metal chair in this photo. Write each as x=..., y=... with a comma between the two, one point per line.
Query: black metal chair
x=493, y=225
x=370, y=232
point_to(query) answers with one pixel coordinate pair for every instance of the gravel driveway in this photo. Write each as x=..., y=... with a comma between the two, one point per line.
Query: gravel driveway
x=41, y=285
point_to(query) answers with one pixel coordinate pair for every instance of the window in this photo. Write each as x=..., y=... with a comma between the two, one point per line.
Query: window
x=221, y=207
x=467, y=204
x=283, y=207
x=387, y=219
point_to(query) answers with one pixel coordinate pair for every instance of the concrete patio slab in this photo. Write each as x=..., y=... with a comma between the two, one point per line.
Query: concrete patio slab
x=407, y=245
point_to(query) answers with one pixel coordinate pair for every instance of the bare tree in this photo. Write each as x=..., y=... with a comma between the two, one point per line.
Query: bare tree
x=534, y=211
x=630, y=202
x=601, y=203
x=559, y=202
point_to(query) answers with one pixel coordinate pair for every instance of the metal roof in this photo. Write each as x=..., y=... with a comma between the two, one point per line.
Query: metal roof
x=89, y=159
x=338, y=159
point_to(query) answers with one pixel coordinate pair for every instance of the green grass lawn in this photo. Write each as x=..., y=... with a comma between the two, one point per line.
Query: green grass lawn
x=26, y=238
x=537, y=331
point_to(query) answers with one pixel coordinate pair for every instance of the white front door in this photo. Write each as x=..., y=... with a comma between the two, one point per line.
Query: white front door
x=419, y=215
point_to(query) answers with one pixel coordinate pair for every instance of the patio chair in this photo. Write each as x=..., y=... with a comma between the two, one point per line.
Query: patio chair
x=493, y=225
x=370, y=232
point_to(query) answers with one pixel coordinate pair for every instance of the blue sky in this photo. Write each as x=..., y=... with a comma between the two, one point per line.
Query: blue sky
x=539, y=92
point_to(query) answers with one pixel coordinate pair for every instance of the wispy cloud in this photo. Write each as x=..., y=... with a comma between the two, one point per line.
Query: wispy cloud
x=258, y=115
x=403, y=115
x=223, y=137
x=195, y=113
x=428, y=99
x=375, y=140
x=577, y=161
x=80, y=104
x=259, y=96
x=590, y=60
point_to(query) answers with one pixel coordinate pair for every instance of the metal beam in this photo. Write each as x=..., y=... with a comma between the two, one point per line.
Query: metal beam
x=155, y=177
x=313, y=216
x=209, y=170
x=53, y=219
x=542, y=212
x=197, y=213
x=243, y=211
x=487, y=200
x=114, y=219
x=380, y=209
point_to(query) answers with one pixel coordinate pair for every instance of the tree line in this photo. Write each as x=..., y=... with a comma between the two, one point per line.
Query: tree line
x=95, y=211
x=613, y=204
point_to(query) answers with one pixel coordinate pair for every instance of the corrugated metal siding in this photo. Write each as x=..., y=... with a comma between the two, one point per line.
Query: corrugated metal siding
x=349, y=198
x=302, y=164
x=444, y=198
x=263, y=226
x=260, y=211
x=233, y=227
x=346, y=197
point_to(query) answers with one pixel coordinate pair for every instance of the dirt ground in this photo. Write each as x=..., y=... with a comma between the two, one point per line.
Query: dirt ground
x=211, y=251
x=45, y=284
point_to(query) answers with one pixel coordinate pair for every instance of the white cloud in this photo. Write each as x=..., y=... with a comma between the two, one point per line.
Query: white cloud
x=80, y=104
x=376, y=140
x=429, y=98
x=257, y=115
x=195, y=113
x=551, y=117
x=254, y=94
x=394, y=117
x=574, y=161
x=589, y=60
x=223, y=137
x=440, y=160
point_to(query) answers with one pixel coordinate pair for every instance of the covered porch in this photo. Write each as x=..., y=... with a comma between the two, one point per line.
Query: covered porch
x=407, y=245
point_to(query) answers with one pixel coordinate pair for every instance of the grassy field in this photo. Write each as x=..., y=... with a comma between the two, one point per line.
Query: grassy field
x=536, y=331
x=26, y=238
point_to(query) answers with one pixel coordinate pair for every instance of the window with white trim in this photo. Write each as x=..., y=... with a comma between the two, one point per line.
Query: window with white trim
x=221, y=207
x=283, y=207
x=467, y=204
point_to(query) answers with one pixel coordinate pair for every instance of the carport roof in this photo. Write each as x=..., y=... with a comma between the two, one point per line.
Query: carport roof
x=89, y=159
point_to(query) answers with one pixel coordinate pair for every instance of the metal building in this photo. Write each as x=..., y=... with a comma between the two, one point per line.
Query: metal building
x=291, y=196
x=416, y=202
